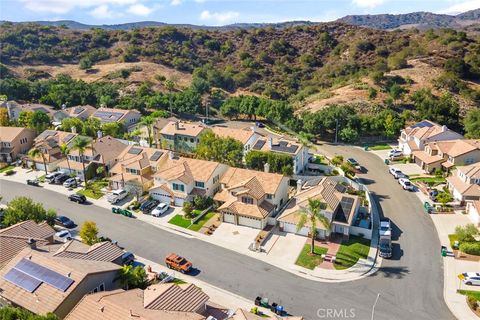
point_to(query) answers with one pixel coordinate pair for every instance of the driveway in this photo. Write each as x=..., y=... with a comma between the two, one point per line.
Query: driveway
x=284, y=247
x=239, y=237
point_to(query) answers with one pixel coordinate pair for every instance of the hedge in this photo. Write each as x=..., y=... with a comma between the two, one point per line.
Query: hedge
x=471, y=248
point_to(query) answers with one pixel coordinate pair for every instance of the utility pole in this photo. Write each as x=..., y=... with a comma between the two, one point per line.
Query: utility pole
x=206, y=110
x=373, y=308
x=336, y=130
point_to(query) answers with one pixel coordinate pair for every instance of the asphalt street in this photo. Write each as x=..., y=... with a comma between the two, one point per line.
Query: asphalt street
x=410, y=285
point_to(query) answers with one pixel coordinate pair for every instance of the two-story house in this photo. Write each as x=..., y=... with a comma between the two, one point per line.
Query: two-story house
x=129, y=118
x=181, y=136
x=249, y=198
x=14, y=109
x=464, y=184
x=184, y=178
x=79, y=112
x=247, y=136
x=447, y=154
x=340, y=208
x=415, y=137
x=136, y=166
x=15, y=142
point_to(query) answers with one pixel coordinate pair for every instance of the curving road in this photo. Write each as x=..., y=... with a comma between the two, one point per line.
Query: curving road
x=410, y=285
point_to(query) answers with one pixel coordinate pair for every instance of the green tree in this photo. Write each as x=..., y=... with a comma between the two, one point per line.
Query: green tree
x=349, y=134
x=85, y=63
x=25, y=119
x=23, y=208
x=82, y=144
x=64, y=149
x=188, y=208
x=4, y=121
x=148, y=122
x=444, y=198
x=466, y=233
x=132, y=278
x=310, y=217
x=225, y=150
x=89, y=232
x=114, y=129
x=14, y=313
x=372, y=93
x=38, y=152
x=472, y=124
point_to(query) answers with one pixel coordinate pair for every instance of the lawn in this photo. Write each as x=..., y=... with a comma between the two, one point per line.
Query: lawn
x=94, y=189
x=452, y=238
x=470, y=293
x=429, y=180
x=4, y=169
x=350, y=251
x=380, y=146
x=199, y=224
x=319, y=159
x=41, y=179
x=310, y=261
x=180, y=221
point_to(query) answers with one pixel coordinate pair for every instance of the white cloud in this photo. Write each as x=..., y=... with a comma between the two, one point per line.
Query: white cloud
x=176, y=2
x=64, y=6
x=368, y=3
x=139, y=10
x=219, y=17
x=461, y=6
x=200, y=1
x=102, y=12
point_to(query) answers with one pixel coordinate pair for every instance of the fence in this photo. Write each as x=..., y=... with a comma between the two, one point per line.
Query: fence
x=200, y=216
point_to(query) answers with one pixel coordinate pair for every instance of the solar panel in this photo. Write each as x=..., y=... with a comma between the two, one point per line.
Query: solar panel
x=156, y=156
x=346, y=204
x=282, y=146
x=135, y=150
x=22, y=280
x=46, y=275
x=423, y=124
x=78, y=110
x=108, y=116
x=68, y=137
x=340, y=188
x=259, y=144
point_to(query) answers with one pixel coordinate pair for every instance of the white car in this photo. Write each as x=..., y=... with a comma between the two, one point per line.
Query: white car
x=70, y=183
x=160, y=209
x=51, y=176
x=64, y=235
x=385, y=229
x=471, y=278
x=406, y=184
x=395, y=153
x=117, y=196
x=397, y=173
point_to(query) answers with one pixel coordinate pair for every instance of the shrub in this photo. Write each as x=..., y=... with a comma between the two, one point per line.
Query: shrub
x=337, y=160
x=187, y=208
x=470, y=248
x=466, y=233
x=202, y=203
x=9, y=172
x=472, y=302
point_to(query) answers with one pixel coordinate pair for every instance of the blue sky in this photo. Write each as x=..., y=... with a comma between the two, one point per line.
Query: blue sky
x=215, y=12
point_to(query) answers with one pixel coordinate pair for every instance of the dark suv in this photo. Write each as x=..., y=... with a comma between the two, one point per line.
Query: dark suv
x=78, y=198
x=148, y=206
x=61, y=178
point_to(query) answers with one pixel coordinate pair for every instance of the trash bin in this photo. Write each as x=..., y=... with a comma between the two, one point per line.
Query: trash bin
x=115, y=210
x=365, y=147
x=387, y=162
x=444, y=251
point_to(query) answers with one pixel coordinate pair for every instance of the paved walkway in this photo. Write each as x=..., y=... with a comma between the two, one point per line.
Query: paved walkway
x=332, y=246
x=362, y=269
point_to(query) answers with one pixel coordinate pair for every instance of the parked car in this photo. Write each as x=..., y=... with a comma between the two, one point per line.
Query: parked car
x=259, y=124
x=50, y=178
x=78, y=198
x=175, y=262
x=64, y=222
x=395, y=153
x=406, y=184
x=160, y=209
x=64, y=235
x=354, y=163
x=397, y=173
x=70, y=183
x=385, y=229
x=33, y=182
x=385, y=247
x=128, y=258
x=433, y=194
x=117, y=196
x=60, y=179
x=148, y=206
x=471, y=278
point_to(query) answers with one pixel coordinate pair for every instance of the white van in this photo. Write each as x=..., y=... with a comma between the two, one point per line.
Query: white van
x=117, y=196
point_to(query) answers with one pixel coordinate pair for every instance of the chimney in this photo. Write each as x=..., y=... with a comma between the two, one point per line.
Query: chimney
x=270, y=142
x=266, y=167
x=177, y=125
x=32, y=243
x=99, y=134
x=444, y=128
x=74, y=129
x=299, y=185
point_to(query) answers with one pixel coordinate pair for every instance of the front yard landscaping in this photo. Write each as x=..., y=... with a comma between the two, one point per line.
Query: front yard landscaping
x=379, y=146
x=199, y=224
x=7, y=168
x=181, y=221
x=467, y=240
x=350, y=251
x=429, y=180
x=306, y=260
x=93, y=189
x=473, y=300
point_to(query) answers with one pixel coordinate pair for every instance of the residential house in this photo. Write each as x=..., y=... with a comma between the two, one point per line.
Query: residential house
x=40, y=282
x=15, y=142
x=415, y=137
x=15, y=238
x=249, y=198
x=297, y=151
x=464, y=184
x=49, y=143
x=339, y=207
x=14, y=109
x=79, y=112
x=136, y=166
x=247, y=136
x=102, y=152
x=473, y=210
x=183, y=178
x=166, y=301
x=181, y=136
x=447, y=154
x=101, y=251
x=129, y=118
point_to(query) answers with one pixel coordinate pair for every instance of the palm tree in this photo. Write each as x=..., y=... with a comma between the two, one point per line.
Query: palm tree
x=64, y=149
x=34, y=153
x=313, y=215
x=82, y=144
x=148, y=123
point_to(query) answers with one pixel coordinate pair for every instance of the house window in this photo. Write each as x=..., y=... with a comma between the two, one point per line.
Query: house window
x=247, y=200
x=101, y=287
x=469, y=160
x=269, y=196
x=178, y=187
x=133, y=171
x=192, y=140
x=199, y=184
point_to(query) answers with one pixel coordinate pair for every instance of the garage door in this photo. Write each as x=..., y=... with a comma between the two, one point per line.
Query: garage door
x=179, y=201
x=292, y=228
x=165, y=198
x=249, y=222
x=230, y=218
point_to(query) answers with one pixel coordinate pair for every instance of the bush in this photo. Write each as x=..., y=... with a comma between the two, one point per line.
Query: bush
x=187, y=208
x=470, y=248
x=472, y=302
x=202, y=203
x=467, y=233
x=9, y=172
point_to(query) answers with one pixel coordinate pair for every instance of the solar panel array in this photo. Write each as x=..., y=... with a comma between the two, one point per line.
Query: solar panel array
x=340, y=188
x=259, y=144
x=423, y=124
x=346, y=205
x=108, y=116
x=78, y=110
x=135, y=150
x=29, y=275
x=283, y=146
x=156, y=156
x=68, y=137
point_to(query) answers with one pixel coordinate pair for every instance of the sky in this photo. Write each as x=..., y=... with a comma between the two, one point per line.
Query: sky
x=216, y=12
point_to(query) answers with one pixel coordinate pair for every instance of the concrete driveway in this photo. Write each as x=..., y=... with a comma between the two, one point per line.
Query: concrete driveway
x=284, y=247
x=238, y=237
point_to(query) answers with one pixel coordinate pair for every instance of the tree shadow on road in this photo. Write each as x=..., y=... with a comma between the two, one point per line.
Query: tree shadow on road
x=392, y=272
x=366, y=181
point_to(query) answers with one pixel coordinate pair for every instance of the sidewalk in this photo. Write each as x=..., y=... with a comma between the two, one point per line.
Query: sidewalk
x=362, y=269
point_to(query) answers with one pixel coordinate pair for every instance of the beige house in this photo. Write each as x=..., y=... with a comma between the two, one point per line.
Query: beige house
x=80, y=112
x=447, y=154
x=41, y=282
x=249, y=198
x=473, y=210
x=464, y=184
x=340, y=208
x=181, y=136
x=415, y=137
x=247, y=136
x=49, y=143
x=14, y=109
x=183, y=178
x=128, y=118
x=136, y=166
x=15, y=142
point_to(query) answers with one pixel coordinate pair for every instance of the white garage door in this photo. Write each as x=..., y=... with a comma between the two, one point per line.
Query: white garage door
x=179, y=201
x=165, y=198
x=292, y=228
x=249, y=222
x=230, y=218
